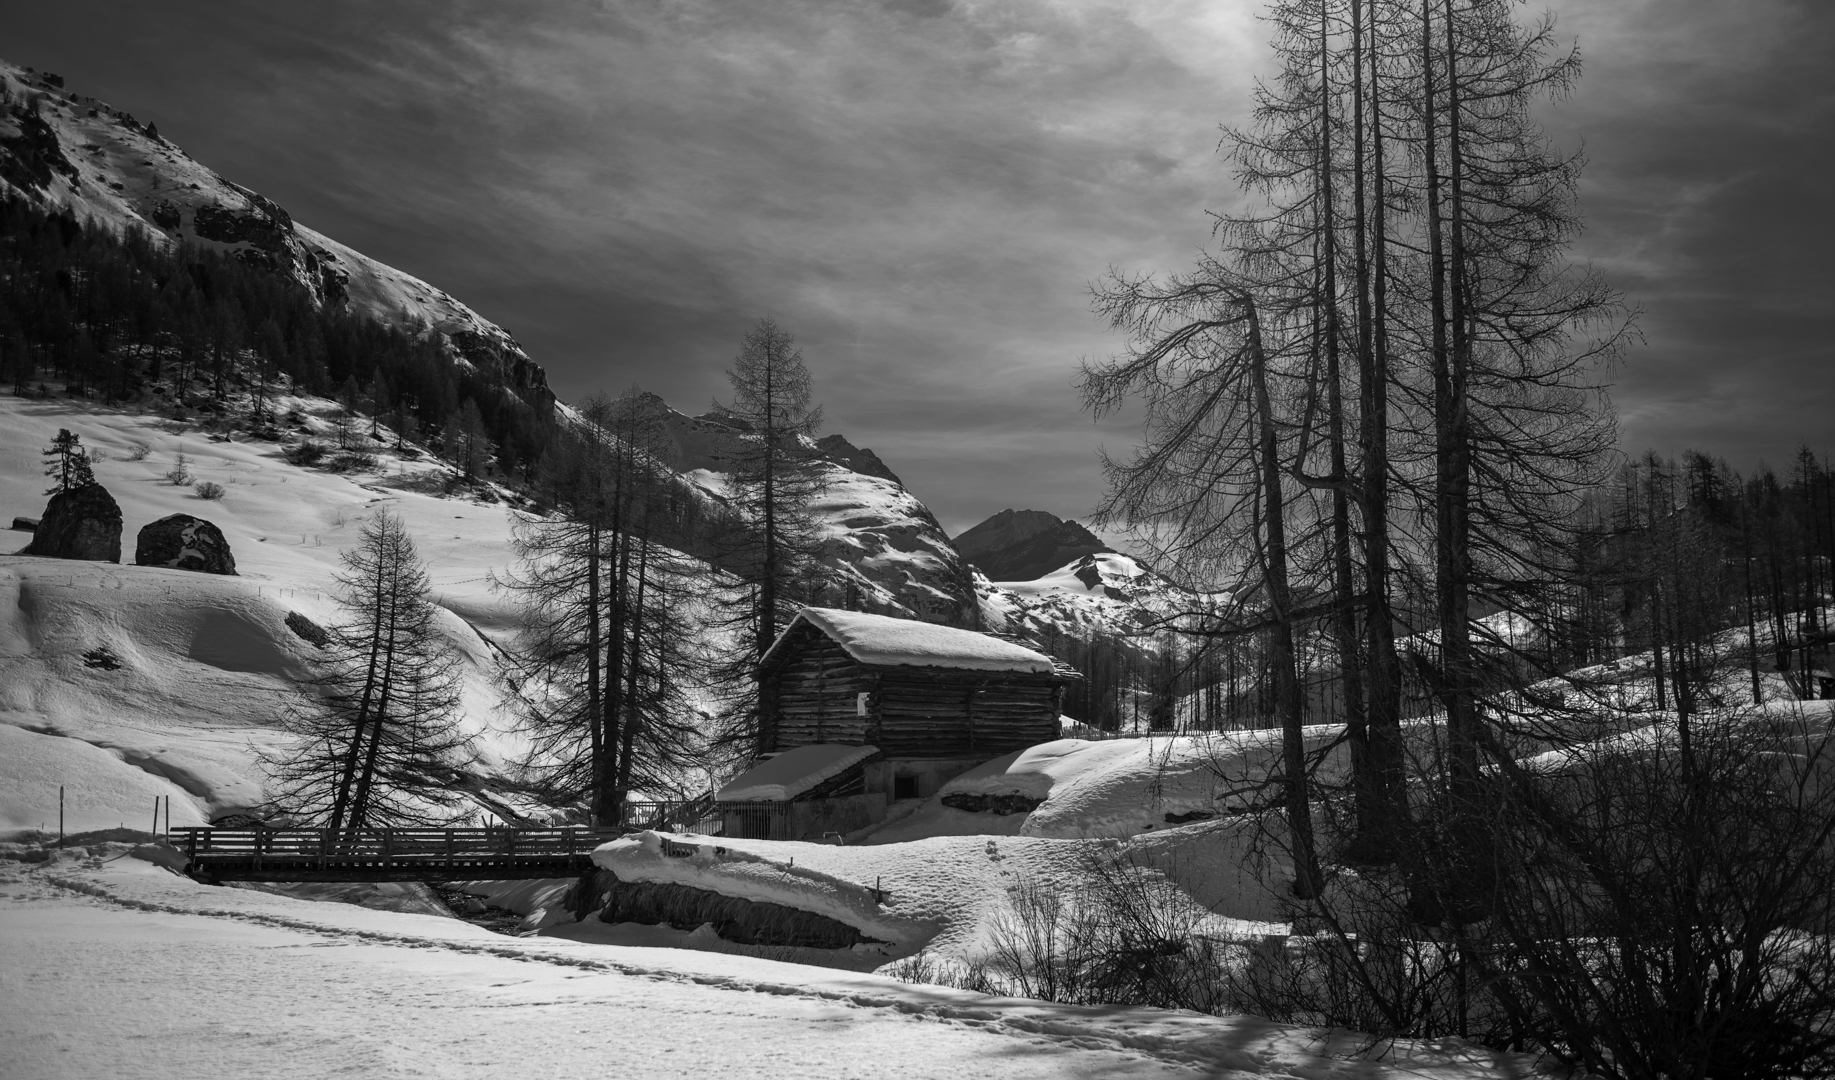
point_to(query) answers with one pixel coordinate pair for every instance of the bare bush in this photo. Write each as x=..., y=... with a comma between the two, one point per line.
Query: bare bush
x=1124, y=935
x=1672, y=901
x=210, y=489
x=307, y=452
x=352, y=461
x=138, y=450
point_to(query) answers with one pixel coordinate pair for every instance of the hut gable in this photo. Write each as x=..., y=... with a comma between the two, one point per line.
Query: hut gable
x=912, y=689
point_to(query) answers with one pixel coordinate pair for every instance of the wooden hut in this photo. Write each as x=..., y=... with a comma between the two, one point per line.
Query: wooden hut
x=934, y=700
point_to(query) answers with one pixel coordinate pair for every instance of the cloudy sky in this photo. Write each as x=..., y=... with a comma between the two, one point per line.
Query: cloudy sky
x=921, y=190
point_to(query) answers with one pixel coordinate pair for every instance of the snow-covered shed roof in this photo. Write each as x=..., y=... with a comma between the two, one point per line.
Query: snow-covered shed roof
x=793, y=772
x=883, y=641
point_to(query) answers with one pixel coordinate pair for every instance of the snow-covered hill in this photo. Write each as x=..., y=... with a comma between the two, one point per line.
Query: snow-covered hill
x=126, y=682
x=65, y=151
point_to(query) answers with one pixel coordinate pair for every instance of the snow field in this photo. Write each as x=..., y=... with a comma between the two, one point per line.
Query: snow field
x=125, y=969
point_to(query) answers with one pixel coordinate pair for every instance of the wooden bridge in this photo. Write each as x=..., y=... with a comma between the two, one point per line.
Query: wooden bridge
x=218, y=855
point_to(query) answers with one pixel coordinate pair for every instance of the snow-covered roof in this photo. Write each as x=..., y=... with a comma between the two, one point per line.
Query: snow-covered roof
x=887, y=642
x=793, y=772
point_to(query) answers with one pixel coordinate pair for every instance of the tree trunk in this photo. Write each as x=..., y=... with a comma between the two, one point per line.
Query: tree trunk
x=1297, y=796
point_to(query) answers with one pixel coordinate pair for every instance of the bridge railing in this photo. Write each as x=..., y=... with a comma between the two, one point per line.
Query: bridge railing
x=383, y=843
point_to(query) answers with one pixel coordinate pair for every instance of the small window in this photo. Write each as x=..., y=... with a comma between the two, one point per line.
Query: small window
x=904, y=787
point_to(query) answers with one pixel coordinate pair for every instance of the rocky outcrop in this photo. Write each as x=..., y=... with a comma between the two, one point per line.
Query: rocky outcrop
x=166, y=215
x=858, y=459
x=748, y=922
x=184, y=542
x=79, y=523
x=498, y=355
x=1022, y=545
x=34, y=155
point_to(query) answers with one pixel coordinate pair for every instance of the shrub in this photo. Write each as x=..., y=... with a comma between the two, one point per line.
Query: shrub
x=354, y=461
x=138, y=451
x=210, y=489
x=307, y=630
x=179, y=475
x=308, y=452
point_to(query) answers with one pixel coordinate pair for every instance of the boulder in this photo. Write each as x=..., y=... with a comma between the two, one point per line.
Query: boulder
x=184, y=542
x=79, y=523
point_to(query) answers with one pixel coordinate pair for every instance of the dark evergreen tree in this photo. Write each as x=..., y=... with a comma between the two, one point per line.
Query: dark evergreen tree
x=67, y=463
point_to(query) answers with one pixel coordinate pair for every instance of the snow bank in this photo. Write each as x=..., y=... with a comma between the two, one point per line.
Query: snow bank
x=883, y=641
x=719, y=868
x=793, y=772
x=940, y=894
x=1122, y=787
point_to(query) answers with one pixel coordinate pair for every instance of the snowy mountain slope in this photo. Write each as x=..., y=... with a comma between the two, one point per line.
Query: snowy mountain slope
x=172, y=680
x=64, y=151
x=1104, y=592
x=1019, y=545
x=879, y=541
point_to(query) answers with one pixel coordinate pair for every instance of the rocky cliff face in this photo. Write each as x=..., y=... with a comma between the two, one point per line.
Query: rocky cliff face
x=64, y=151
x=1023, y=545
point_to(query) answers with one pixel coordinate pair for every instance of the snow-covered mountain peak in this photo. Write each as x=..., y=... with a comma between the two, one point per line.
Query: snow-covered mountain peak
x=64, y=151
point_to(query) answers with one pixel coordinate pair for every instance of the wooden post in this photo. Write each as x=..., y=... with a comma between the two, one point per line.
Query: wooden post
x=155, y=829
x=448, y=849
x=60, y=815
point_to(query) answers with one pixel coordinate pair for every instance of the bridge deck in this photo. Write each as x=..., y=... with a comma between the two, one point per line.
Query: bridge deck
x=217, y=855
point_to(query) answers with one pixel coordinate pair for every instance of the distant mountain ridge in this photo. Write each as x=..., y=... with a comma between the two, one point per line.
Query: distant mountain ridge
x=66, y=152
x=884, y=550
x=1024, y=545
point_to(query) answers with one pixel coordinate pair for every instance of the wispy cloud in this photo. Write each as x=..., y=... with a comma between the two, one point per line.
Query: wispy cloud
x=921, y=190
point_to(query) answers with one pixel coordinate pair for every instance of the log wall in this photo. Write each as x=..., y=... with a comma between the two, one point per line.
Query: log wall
x=963, y=714
x=911, y=712
x=813, y=697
